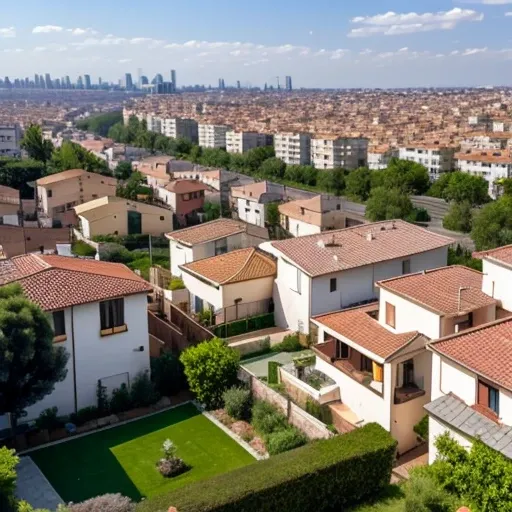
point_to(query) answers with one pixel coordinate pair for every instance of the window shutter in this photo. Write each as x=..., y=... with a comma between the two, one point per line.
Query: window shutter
x=378, y=372
x=390, y=315
x=483, y=394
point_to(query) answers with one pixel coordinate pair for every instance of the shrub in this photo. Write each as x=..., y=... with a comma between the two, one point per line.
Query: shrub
x=237, y=402
x=273, y=372
x=171, y=467
x=115, y=253
x=421, y=428
x=143, y=392
x=284, y=440
x=266, y=419
x=290, y=343
x=83, y=249
x=424, y=494
x=255, y=323
x=120, y=400
x=105, y=503
x=176, y=283
x=48, y=419
x=167, y=374
x=102, y=397
x=84, y=415
x=211, y=367
x=319, y=411
x=325, y=475
x=8, y=462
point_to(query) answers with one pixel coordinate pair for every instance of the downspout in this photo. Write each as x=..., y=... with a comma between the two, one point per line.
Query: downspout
x=74, y=357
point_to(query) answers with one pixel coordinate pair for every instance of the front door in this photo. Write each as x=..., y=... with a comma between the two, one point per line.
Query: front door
x=134, y=223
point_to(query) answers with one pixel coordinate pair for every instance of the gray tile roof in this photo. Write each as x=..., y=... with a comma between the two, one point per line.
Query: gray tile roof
x=455, y=413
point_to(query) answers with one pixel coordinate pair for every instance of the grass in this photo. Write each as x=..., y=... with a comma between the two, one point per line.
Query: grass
x=123, y=459
x=80, y=248
x=390, y=500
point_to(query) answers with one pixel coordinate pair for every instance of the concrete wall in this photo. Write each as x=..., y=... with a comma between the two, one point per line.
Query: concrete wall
x=298, y=228
x=480, y=316
x=251, y=212
x=497, y=283
x=249, y=291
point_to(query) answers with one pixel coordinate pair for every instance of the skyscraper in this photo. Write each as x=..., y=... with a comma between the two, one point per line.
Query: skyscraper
x=36, y=81
x=87, y=81
x=79, y=83
x=128, y=82
x=68, y=82
x=144, y=80
x=222, y=85
x=173, y=78
x=288, y=83
x=159, y=79
x=238, y=85
x=48, y=81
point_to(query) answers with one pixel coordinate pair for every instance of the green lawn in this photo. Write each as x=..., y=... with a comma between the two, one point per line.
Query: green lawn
x=390, y=500
x=123, y=459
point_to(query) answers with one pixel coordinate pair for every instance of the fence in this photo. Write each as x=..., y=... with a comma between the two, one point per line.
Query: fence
x=242, y=311
x=312, y=427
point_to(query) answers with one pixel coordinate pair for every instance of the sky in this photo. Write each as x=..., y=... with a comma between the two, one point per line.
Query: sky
x=320, y=43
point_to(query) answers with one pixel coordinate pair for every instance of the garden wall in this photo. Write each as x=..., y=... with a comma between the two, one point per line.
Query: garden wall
x=312, y=427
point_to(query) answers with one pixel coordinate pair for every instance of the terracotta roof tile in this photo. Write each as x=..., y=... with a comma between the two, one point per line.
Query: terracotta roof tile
x=234, y=267
x=57, y=282
x=253, y=191
x=359, y=326
x=306, y=210
x=207, y=232
x=185, y=186
x=440, y=289
x=503, y=254
x=358, y=246
x=486, y=350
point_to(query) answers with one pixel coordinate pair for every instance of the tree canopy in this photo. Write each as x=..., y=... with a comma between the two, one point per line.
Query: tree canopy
x=358, y=184
x=459, y=217
x=30, y=364
x=74, y=156
x=35, y=145
x=17, y=174
x=123, y=170
x=387, y=204
x=100, y=124
x=492, y=226
x=411, y=177
x=460, y=187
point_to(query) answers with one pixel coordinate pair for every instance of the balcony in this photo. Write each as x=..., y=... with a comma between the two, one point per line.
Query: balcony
x=407, y=393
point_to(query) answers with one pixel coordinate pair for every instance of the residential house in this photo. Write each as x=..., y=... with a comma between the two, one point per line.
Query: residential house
x=156, y=169
x=119, y=216
x=497, y=280
x=184, y=197
x=250, y=200
x=58, y=194
x=16, y=240
x=211, y=239
x=234, y=285
x=10, y=206
x=326, y=272
x=98, y=311
x=311, y=216
x=377, y=353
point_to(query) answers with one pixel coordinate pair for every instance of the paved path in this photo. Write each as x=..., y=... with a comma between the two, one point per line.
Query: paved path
x=33, y=487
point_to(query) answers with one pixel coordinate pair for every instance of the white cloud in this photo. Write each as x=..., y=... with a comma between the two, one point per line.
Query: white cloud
x=473, y=51
x=82, y=31
x=8, y=32
x=46, y=29
x=392, y=23
x=13, y=50
x=124, y=61
x=509, y=13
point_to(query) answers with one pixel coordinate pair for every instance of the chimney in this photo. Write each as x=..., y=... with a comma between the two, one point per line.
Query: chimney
x=369, y=236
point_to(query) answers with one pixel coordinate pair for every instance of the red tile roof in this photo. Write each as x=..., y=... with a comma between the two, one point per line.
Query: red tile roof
x=502, y=254
x=234, y=267
x=185, y=186
x=485, y=350
x=207, y=232
x=360, y=327
x=358, y=246
x=58, y=282
x=446, y=291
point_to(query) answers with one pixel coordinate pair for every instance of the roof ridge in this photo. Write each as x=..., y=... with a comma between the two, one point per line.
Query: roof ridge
x=250, y=255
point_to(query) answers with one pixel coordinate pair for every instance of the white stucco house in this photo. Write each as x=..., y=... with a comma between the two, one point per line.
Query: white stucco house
x=335, y=270
x=99, y=315
x=211, y=239
x=250, y=201
x=234, y=285
x=377, y=353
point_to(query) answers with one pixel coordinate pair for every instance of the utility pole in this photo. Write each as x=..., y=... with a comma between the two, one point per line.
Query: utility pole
x=150, y=252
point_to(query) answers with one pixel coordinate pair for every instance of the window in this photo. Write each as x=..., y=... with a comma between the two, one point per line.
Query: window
x=59, y=324
x=162, y=217
x=464, y=323
x=50, y=193
x=390, y=315
x=366, y=364
x=186, y=197
x=408, y=381
x=112, y=316
x=342, y=350
x=333, y=284
x=489, y=397
x=221, y=246
x=406, y=267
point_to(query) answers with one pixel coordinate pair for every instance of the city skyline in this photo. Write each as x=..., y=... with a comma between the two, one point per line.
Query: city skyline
x=435, y=43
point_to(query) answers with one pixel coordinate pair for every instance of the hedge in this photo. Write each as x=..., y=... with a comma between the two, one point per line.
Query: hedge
x=273, y=372
x=320, y=476
x=255, y=323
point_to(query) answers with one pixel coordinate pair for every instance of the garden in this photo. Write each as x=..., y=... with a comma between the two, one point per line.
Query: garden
x=126, y=459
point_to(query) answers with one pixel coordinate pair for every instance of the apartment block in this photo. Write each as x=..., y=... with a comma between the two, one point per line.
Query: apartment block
x=180, y=128
x=293, y=148
x=240, y=142
x=10, y=137
x=154, y=123
x=435, y=157
x=329, y=152
x=213, y=135
x=379, y=157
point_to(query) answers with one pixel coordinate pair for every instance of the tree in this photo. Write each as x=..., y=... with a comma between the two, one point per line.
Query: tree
x=387, y=204
x=211, y=368
x=332, y=181
x=460, y=187
x=18, y=173
x=272, y=214
x=8, y=462
x=35, y=145
x=411, y=177
x=123, y=170
x=272, y=168
x=214, y=157
x=212, y=211
x=133, y=187
x=195, y=154
x=492, y=226
x=256, y=156
x=100, y=124
x=459, y=217
x=358, y=184
x=74, y=156
x=30, y=365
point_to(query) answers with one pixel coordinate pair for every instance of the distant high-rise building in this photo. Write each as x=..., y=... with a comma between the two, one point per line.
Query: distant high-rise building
x=139, y=78
x=288, y=83
x=48, y=81
x=57, y=83
x=36, y=81
x=87, y=81
x=238, y=85
x=128, y=82
x=144, y=80
x=173, y=79
x=222, y=85
x=68, y=82
x=79, y=83
x=100, y=81
x=159, y=79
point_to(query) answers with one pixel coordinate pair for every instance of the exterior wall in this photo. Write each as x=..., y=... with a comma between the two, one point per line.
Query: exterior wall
x=240, y=142
x=180, y=128
x=251, y=212
x=98, y=357
x=435, y=429
x=480, y=316
x=209, y=293
x=497, y=283
x=298, y=228
x=436, y=160
x=249, y=291
x=212, y=136
x=345, y=153
x=293, y=148
x=449, y=377
x=409, y=316
x=10, y=137
x=490, y=170
x=379, y=161
x=186, y=206
x=180, y=255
